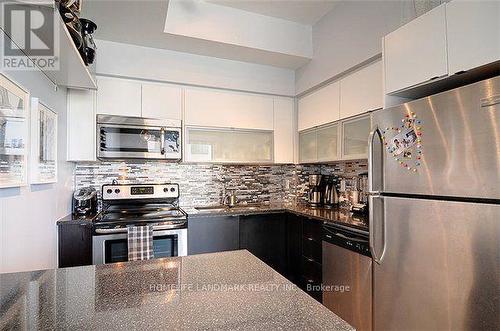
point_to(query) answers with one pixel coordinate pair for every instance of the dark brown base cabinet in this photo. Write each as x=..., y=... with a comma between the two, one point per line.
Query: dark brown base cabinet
x=305, y=254
x=213, y=234
x=75, y=245
x=265, y=237
x=290, y=244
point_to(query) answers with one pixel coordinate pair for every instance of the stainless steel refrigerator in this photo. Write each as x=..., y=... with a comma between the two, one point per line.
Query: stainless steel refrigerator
x=434, y=167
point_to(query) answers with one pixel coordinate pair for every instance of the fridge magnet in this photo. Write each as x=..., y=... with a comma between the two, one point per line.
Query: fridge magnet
x=401, y=141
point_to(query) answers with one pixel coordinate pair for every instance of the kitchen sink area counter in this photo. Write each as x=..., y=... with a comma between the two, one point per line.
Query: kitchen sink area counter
x=335, y=215
x=228, y=290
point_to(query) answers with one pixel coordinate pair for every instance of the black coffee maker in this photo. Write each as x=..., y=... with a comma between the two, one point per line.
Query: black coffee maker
x=85, y=201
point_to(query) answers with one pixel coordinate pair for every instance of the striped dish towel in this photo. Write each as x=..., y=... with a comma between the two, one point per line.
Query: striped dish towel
x=140, y=242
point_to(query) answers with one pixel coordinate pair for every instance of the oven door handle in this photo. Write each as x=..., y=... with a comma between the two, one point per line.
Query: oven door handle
x=155, y=228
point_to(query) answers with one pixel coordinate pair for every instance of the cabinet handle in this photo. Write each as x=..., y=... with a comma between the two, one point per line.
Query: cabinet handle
x=162, y=141
x=433, y=78
x=310, y=239
x=460, y=72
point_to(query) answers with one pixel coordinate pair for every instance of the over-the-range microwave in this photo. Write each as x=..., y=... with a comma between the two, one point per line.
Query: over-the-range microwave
x=121, y=137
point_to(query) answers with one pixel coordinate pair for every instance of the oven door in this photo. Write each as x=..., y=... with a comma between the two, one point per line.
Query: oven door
x=118, y=141
x=110, y=248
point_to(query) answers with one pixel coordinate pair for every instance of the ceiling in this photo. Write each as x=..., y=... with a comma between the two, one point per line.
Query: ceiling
x=301, y=11
x=142, y=23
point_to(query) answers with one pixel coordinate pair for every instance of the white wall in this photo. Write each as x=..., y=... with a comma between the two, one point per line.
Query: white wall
x=170, y=66
x=28, y=233
x=229, y=25
x=350, y=34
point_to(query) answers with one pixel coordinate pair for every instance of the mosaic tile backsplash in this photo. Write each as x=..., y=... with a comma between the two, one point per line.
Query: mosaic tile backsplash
x=207, y=184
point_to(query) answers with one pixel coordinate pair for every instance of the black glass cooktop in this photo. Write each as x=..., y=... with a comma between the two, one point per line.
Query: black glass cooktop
x=139, y=213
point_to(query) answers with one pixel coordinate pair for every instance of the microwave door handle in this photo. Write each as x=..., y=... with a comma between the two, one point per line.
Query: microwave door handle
x=162, y=141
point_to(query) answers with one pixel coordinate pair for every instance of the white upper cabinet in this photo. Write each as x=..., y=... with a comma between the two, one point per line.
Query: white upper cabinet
x=161, y=101
x=473, y=34
x=81, y=125
x=283, y=130
x=416, y=52
x=226, y=109
x=319, y=107
x=361, y=91
x=118, y=97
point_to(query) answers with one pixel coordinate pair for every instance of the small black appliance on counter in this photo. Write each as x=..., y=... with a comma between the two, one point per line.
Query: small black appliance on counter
x=88, y=48
x=85, y=201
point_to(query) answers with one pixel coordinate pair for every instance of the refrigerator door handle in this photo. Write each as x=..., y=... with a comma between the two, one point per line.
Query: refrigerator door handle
x=371, y=227
x=371, y=159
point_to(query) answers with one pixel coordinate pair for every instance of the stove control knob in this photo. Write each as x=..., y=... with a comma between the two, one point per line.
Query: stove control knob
x=172, y=189
x=165, y=189
x=117, y=191
x=109, y=191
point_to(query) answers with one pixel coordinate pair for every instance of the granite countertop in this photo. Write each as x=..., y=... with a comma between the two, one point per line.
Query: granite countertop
x=228, y=290
x=331, y=215
x=75, y=219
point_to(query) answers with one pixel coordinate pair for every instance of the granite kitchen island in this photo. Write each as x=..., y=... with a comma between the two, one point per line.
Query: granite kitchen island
x=230, y=290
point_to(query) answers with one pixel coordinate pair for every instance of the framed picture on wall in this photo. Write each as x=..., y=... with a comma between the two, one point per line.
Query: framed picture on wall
x=14, y=112
x=43, y=144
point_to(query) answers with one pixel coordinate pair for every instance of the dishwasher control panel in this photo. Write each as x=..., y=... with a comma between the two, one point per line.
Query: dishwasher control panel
x=351, y=240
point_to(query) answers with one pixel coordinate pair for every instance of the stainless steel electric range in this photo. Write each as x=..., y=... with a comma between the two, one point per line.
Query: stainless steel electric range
x=136, y=204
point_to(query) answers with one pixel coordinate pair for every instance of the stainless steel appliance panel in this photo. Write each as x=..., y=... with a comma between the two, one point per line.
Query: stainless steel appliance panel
x=138, y=138
x=438, y=266
x=460, y=144
x=99, y=242
x=343, y=268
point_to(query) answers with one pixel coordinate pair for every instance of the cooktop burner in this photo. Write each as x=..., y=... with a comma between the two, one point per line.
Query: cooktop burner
x=143, y=213
x=136, y=204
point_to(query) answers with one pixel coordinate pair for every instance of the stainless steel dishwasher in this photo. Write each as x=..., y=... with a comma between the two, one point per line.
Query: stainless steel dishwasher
x=347, y=275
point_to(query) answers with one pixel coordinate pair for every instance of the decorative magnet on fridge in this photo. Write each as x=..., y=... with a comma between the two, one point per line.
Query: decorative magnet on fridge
x=404, y=142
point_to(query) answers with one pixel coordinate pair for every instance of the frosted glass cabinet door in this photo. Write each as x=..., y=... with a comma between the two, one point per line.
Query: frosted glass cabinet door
x=307, y=146
x=328, y=143
x=229, y=146
x=355, y=136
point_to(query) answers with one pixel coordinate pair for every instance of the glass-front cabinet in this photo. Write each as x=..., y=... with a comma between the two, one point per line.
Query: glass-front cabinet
x=228, y=145
x=328, y=143
x=342, y=140
x=319, y=144
x=355, y=134
x=308, y=143
x=14, y=102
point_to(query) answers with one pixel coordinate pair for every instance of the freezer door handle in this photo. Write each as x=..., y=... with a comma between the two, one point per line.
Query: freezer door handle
x=375, y=221
x=371, y=159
